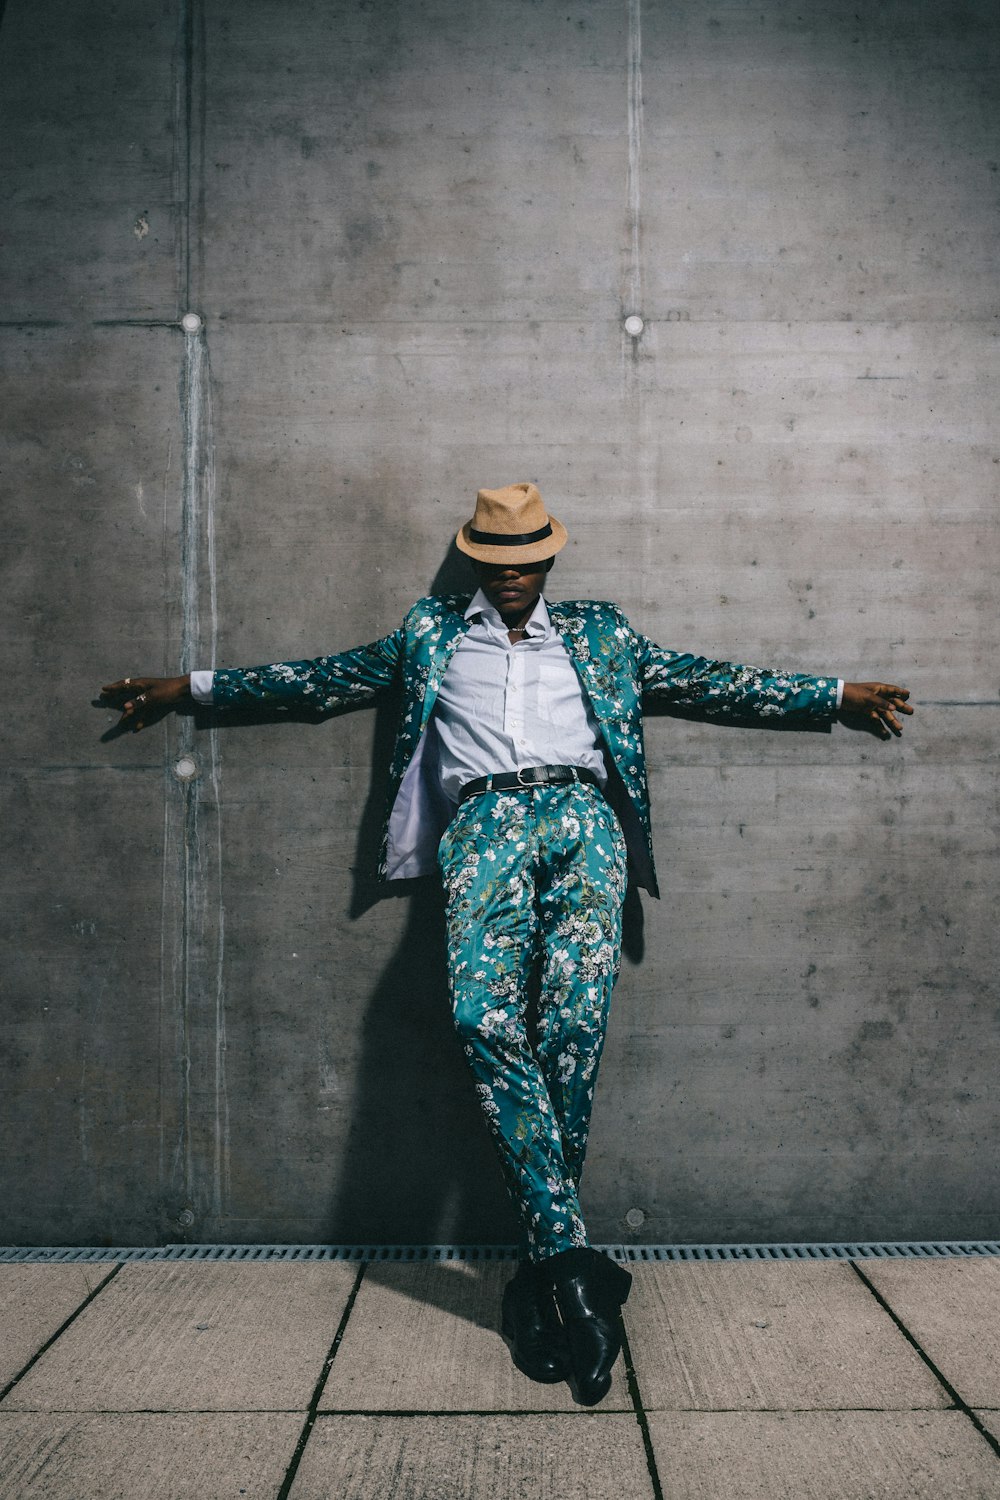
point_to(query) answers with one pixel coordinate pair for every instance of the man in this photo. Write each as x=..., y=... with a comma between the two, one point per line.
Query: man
x=519, y=768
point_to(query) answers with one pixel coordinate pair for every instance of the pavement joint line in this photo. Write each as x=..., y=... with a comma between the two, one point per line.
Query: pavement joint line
x=632, y=1381
x=324, y=1374
x=154, y=1411
x=463, y=1411
x=471, y=1411
x=331, y=1411
x=957, y=1401
x=61, y=1330
x=792, y=1411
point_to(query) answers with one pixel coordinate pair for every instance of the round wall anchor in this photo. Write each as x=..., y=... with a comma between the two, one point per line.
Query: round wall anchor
x=634, y=325
x=186, y=768
x=191, y=323
x=635, y=1218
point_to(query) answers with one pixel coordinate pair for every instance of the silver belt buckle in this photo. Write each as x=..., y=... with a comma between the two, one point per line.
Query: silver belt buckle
x=517, y=773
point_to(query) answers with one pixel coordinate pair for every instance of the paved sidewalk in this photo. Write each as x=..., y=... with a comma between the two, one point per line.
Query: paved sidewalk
x=386, y=1381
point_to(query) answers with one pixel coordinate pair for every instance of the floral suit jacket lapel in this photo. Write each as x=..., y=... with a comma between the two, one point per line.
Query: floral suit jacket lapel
x=438, y=644
x=590, y=640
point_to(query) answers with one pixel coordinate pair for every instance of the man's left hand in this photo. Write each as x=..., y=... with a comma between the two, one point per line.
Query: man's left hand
x=874, y=706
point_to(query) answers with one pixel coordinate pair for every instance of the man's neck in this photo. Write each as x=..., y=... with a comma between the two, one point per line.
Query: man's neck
x=516, y=621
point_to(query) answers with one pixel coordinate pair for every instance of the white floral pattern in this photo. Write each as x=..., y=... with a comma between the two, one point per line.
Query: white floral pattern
x=535, y=880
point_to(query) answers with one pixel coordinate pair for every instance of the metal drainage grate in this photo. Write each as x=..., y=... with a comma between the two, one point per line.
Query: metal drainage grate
x=848, y=1250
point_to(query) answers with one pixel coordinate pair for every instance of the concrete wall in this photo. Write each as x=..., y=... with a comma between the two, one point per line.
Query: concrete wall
x=413, y=231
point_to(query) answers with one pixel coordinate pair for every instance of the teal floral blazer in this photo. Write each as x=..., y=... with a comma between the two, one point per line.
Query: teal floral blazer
x=618, y=669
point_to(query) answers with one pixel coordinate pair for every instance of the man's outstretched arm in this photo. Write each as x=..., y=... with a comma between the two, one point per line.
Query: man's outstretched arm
x=734, y=690
x=349, y=679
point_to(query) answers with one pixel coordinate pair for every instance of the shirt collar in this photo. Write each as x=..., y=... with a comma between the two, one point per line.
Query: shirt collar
x=538, y=622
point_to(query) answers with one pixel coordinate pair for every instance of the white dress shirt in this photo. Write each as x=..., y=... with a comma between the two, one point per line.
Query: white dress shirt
x=501, y=707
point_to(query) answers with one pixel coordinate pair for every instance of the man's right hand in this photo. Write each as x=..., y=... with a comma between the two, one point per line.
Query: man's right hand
x=874, y=706
x=143, y=700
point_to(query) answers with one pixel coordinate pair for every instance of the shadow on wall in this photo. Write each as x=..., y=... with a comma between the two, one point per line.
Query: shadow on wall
x=419, y=1167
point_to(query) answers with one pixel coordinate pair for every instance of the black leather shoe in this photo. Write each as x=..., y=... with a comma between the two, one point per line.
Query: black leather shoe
x=590, y=1290
x=530, y=1327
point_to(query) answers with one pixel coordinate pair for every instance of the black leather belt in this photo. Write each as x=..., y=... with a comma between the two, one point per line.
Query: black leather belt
x=526, y=778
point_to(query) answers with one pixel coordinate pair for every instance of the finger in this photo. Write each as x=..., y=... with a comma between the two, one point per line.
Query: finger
x=895, y=697
x=133, y=706
x=895, y=704
x=140, y=707
x=125, y=686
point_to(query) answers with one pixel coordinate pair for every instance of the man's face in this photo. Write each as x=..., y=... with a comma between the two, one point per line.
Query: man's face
x=513, y=587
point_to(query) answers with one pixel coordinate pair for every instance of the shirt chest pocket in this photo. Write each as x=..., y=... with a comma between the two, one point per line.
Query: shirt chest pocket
x=560, y=700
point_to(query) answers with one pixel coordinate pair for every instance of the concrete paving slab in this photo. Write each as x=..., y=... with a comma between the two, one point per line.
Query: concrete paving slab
x=952, y=1309
x=857, y=1455
x=595, y=1457
x=153, y=1456
x=34, y=1302
x=195, y=1337
x=991, y=1421
x=769, y=1336
x=424, y=1338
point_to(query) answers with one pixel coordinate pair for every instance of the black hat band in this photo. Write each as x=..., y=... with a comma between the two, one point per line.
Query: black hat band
x=504, y=538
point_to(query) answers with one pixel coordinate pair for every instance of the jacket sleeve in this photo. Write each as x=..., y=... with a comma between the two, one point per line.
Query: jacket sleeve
x=349, y=679
x=722, y=689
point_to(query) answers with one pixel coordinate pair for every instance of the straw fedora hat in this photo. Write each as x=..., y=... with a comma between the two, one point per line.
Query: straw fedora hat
x=510, y=525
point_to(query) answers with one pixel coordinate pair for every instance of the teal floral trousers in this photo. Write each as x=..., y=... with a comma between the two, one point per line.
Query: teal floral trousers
x=535, y=882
